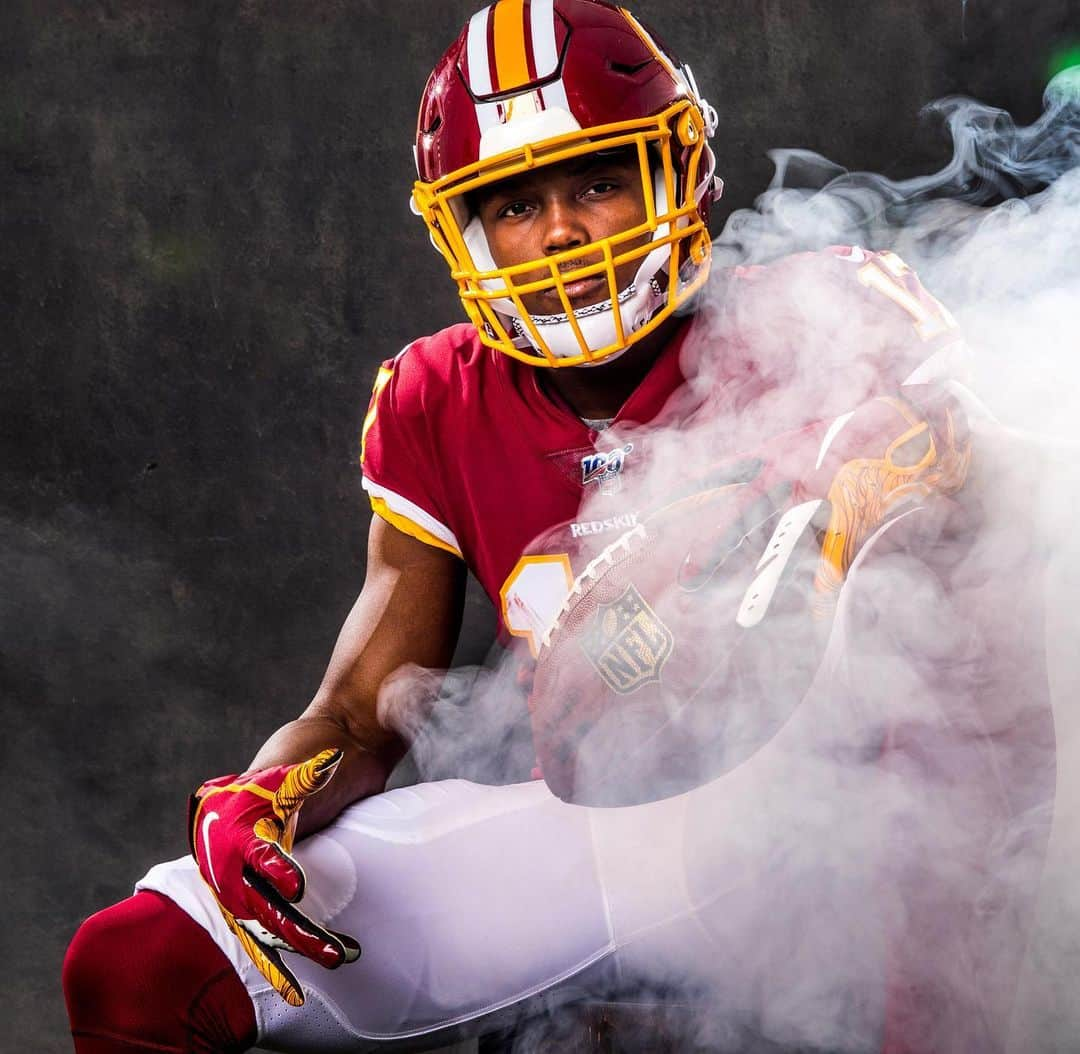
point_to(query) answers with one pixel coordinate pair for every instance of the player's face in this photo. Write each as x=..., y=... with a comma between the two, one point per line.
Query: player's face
x=556, y=209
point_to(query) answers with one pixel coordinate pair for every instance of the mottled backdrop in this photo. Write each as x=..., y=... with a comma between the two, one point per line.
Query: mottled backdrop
x=206, y=250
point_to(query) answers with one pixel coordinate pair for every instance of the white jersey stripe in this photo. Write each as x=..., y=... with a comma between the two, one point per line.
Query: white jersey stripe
x=545, y=52
x=477, y=52
x=403, y=507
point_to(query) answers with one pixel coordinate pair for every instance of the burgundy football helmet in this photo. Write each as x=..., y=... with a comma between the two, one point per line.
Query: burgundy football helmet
x=531, y=83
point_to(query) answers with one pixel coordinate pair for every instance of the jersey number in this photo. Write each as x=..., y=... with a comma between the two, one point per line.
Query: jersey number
x=533, y=594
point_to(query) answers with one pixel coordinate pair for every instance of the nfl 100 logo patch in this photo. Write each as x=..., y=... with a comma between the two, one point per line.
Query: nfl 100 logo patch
x=627, y=643
x=604, y=468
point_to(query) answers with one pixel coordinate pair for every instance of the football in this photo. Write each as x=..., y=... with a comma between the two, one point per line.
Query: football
x=661, y=672
x=686, y=644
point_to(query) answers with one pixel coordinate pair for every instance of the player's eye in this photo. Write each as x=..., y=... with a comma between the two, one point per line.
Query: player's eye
x=599, y=187
x=513, y=210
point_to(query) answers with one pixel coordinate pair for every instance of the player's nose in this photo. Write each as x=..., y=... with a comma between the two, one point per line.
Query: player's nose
x=564, y=226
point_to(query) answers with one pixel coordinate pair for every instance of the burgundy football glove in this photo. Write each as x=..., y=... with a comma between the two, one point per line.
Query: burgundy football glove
x=844, y=478
x=242, y=830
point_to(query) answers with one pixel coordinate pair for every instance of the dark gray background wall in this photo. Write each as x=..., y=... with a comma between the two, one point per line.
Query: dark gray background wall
x=206, y=250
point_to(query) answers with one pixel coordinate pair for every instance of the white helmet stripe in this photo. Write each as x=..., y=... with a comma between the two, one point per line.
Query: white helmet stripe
x=480, y=80
x=487, y=115
x=553, y=96
x=545, y=51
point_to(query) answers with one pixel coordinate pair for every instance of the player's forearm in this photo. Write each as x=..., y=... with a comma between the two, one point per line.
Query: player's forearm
x=369, y=755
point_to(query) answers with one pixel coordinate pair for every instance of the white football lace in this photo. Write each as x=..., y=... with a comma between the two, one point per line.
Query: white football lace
x=604, y=560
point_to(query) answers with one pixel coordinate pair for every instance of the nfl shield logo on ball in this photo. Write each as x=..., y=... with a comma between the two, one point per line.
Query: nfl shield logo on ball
x=627, y=643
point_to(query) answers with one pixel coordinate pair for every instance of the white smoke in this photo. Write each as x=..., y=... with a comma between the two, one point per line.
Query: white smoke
x=1009, y=272
x=902, y=813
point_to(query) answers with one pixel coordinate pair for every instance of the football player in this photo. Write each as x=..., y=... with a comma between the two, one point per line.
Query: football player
x=565, y=174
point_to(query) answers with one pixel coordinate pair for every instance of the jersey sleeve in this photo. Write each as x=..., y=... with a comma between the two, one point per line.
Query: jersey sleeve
x=922, y=340
x=859, y=321
x=402, y=473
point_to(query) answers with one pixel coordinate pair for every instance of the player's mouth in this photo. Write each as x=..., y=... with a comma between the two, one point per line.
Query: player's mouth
x=585, y=287
x=580, y=293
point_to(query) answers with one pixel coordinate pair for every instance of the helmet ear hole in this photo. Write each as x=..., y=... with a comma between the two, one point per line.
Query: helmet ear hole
x=700, y=248
x=689, y=127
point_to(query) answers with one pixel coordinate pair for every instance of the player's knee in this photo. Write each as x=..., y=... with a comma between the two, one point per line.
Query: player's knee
x=93, y=971
x=143, y=972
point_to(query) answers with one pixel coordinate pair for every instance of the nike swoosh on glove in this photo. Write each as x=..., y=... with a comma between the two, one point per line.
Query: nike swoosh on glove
x=241, y=830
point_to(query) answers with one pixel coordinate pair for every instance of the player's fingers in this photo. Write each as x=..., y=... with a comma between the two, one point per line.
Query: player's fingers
x=281, y=870
x=350, y=944
x=304, y=780
x=296, y=929
x=268, y=961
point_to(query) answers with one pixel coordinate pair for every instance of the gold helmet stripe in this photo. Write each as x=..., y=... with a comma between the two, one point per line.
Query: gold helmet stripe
x=511, y=57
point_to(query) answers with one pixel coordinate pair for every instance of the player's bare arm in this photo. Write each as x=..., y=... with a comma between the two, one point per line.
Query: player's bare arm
x=409, y=611
x=242, y=827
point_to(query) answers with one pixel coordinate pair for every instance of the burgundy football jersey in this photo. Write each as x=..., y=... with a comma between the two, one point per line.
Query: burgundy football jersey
x=463, y=449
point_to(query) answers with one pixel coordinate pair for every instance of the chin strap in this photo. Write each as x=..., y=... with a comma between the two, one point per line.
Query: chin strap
x=637, y=305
